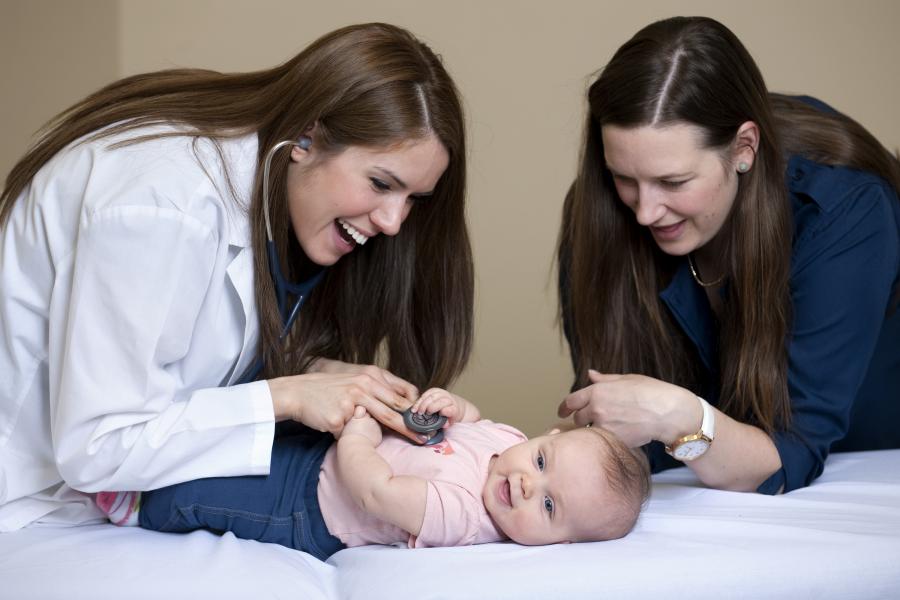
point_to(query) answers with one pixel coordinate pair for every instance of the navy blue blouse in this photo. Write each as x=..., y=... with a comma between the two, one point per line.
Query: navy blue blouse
x=844, y=349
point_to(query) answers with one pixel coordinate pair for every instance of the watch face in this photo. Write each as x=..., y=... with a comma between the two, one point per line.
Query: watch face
x=690, y=450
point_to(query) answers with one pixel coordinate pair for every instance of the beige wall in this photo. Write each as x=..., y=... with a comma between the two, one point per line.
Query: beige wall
x=52, y=53
x=522, y=68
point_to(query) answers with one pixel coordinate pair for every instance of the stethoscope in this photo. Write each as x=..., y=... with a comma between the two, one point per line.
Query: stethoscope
x=284, y=288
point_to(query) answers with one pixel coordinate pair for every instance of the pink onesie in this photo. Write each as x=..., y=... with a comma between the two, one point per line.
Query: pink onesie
x=456, y=470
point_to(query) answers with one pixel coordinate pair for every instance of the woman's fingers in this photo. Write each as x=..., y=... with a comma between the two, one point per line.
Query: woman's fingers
x=404, y=392
x=598, y=377
x=391, y=394
x=327, y=401
x=583, y=417
x=578, y=400
x=408, y=391
x=385, y=406
x=390, y=419
x=573, y=402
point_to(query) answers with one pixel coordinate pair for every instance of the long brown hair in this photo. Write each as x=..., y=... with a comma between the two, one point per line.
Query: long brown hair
x=694, y=70
x=406, y=299
x=829, y=137
x=681, y=70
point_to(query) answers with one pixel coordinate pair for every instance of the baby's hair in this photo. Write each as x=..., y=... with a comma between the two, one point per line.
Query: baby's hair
x=627, y=474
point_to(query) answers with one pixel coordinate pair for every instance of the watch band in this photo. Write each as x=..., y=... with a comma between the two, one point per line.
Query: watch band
x=708, y=426
x=693, y=446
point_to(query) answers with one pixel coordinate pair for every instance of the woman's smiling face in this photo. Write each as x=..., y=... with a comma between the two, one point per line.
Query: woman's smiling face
x=341, y=201
x=681, y=191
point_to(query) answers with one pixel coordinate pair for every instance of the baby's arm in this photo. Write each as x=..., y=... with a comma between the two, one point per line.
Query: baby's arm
x=397, y=499
x=456, y=408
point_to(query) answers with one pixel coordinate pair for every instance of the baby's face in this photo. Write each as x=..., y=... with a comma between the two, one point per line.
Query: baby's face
x=545, y=490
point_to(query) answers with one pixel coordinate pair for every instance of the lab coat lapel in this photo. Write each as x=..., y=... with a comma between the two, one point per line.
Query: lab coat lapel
x=241, y=157
x=240, y=273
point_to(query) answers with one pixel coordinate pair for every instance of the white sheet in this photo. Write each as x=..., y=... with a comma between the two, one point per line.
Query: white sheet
x=839, y=538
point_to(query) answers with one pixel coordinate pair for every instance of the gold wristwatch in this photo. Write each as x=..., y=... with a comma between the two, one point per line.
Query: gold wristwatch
x=693, y=446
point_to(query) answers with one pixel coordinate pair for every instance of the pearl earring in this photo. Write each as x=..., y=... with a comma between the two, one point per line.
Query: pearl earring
x=743, y=167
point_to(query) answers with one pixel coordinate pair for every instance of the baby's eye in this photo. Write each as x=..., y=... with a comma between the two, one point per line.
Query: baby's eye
x=548, y=504
x=540, y=462
x=380, y=185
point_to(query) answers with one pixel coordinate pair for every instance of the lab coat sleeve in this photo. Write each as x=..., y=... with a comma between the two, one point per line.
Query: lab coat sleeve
x=121, y=418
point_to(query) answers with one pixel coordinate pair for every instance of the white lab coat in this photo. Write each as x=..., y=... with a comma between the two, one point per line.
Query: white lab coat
x=126, y=307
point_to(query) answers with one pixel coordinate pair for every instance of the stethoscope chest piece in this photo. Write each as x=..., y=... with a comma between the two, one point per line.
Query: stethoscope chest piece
x=426, y=423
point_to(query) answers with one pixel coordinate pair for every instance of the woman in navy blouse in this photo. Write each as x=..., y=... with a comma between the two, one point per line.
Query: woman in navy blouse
x=728, y=266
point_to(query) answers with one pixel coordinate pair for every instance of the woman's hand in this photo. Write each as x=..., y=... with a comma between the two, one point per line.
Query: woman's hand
x=635, y=408
x=401, y=387
x=326, y=401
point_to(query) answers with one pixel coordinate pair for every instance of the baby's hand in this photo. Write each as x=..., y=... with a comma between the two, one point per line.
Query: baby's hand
x=363, y=424
x=437, y=400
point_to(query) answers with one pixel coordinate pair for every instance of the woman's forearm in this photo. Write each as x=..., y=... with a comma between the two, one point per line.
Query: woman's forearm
x=740, y=458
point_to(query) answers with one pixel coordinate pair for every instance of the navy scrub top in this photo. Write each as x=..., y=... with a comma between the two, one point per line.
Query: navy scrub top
x=844, y=350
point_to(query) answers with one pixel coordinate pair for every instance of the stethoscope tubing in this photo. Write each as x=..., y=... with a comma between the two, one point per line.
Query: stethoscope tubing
x=267, y=165
x=283, y=287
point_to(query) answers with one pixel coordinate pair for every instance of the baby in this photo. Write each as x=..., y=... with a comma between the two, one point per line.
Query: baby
x=484, y=482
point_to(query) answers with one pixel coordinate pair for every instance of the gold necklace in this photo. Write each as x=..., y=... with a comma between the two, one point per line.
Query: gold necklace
x=697, y=275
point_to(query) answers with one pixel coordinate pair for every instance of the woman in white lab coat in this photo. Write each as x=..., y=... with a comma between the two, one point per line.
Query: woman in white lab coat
x=144, y=342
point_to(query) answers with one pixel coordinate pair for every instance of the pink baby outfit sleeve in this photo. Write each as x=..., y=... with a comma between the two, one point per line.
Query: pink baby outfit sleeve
x=456, y=470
